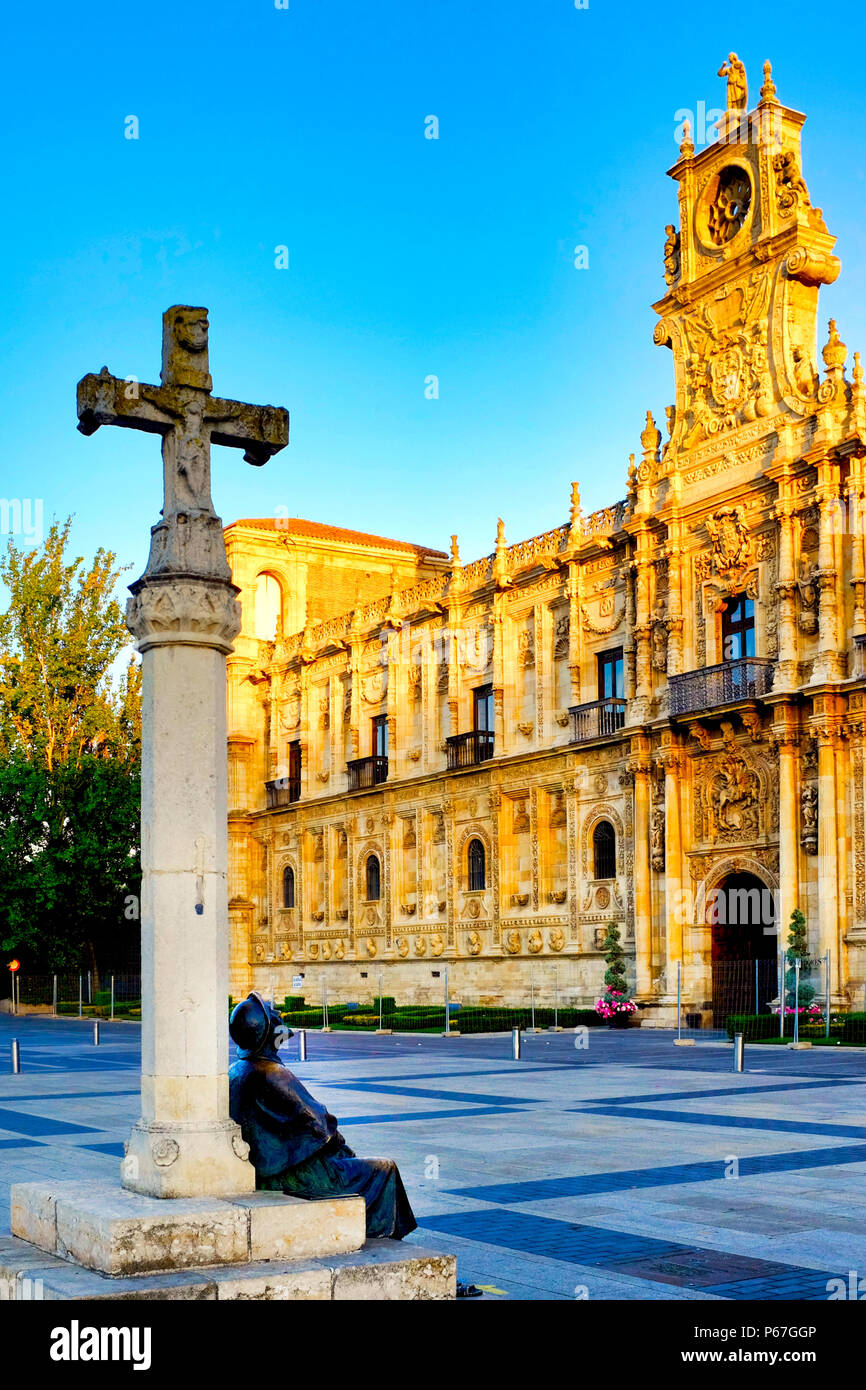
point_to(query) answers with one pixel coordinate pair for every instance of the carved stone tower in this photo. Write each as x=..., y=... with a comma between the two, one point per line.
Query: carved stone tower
x=743, y=275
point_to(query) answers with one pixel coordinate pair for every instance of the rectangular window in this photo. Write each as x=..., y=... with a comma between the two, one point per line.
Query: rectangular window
x=738, y=628
x=380, y=736
x=482, y=717
x=295, y=765
x=611, y=681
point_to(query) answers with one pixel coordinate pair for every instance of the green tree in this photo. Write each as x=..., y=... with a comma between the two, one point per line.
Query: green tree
x=798, y=949
x=614, y=975
x=70, y=739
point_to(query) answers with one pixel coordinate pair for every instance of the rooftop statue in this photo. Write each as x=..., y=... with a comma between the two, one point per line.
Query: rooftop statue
x=735, y=72
x=295, y=1145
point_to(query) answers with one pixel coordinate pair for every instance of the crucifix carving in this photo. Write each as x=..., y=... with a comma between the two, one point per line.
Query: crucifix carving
x=188, y=539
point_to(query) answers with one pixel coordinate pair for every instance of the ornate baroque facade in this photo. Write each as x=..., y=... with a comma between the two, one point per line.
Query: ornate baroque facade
x=480, y=766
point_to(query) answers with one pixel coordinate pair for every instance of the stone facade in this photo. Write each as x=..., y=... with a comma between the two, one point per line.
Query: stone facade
x=607, y=722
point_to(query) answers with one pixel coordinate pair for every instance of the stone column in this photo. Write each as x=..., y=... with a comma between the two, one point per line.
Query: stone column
x=640, y=767
x=830, y=663
x=184, y=1143
x=673, y=763
x=828, y=887
x=787, y=669
x=788, y=742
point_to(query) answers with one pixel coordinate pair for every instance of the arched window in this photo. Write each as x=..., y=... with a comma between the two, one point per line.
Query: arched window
x=476, y=866
x=268, y=607
x=288, y=886
x=604, y=850
x=373, y=879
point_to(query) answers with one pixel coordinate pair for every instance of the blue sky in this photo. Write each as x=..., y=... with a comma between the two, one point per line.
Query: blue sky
x=409, y=257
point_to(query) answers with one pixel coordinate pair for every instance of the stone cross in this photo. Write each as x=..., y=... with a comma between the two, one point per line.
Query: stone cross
x=184, y=616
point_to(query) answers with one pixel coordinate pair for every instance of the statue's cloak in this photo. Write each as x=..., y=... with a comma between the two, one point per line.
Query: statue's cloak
x=282, y=1123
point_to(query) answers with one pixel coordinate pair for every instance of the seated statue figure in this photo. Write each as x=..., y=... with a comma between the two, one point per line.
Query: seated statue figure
x=295, y=1146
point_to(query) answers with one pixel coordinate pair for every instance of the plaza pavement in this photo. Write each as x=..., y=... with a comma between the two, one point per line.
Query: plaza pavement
x=630, y=1169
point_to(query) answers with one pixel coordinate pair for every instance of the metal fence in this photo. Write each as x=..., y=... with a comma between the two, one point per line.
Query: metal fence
x=765, y=1000
x=81, y=995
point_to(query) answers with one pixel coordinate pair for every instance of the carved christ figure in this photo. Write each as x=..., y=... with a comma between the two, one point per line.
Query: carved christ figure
x=738, y=92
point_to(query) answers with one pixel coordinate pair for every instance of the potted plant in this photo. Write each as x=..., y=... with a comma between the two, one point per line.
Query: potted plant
x=615, y=1004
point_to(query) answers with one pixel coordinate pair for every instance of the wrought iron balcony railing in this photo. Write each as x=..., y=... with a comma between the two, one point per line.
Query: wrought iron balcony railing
x=597, y=720
x=747, y=678
x=366, y=772
x=282, y=791
x=858, y=666
x=465, y=750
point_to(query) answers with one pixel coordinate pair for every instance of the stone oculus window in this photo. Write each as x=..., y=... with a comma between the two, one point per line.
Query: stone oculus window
x=724, y=205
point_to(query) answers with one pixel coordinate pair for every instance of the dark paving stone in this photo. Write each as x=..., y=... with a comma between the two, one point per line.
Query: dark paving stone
x=21, y=1123
x=643, y=1257
x=774, y=1089
x=114, y=1150
x=428, y=1093
x=21, y=1144
x=467, y=1114
x=692, y=1117
x=591, y=1184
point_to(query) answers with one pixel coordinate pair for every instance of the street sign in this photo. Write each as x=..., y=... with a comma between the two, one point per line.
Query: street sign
x=297, y=982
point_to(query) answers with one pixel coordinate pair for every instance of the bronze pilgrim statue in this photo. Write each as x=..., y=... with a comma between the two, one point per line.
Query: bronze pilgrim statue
x=295, y=1146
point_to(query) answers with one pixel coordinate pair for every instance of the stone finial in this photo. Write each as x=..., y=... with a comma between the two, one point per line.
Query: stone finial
x=670, y=415
x=500, y=563
x=834, y=351
x=456, y=567
x=650, y=437
x=455, y=552
x=632, y=479
x=857, y=376
x=768, y=90
x=687, y=148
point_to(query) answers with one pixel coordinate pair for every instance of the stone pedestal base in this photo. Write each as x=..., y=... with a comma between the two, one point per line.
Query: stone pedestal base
x=94, y=1240
x=381, y=1270
x=174, y=1160
x=106, y=1228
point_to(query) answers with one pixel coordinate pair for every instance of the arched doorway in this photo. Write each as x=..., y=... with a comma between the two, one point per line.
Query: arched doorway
x=741, y=914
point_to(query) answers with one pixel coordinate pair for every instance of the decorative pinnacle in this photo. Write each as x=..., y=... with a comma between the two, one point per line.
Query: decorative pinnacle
x=768, y=91
x=687, y=148
x=455, y=553
x=575, y=504
x=650, y=436
x=835, y=351
x=500, y=534
x=857, y=375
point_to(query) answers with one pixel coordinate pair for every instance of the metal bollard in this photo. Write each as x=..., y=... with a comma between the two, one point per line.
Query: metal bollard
x=302, y=1044
x=739, y=1052
x=16, y=1057
x=515, y=1044
x=96, y=1032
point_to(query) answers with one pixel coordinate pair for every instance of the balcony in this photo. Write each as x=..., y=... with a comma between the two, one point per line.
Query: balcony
x=366, y=772
x=282, y=792
x=599, y=719
x=467, y=750
x=858, y=666
x=696, y=692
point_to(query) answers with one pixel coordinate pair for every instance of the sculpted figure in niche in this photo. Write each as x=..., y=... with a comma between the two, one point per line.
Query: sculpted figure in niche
x=295, y=1145
x=672, y=254
x=809, y=817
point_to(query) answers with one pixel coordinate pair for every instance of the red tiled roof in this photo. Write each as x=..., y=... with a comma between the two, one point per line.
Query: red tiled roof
x=317, y=530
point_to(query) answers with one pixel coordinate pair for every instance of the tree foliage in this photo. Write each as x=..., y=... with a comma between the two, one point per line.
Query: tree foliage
x=70, y=742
